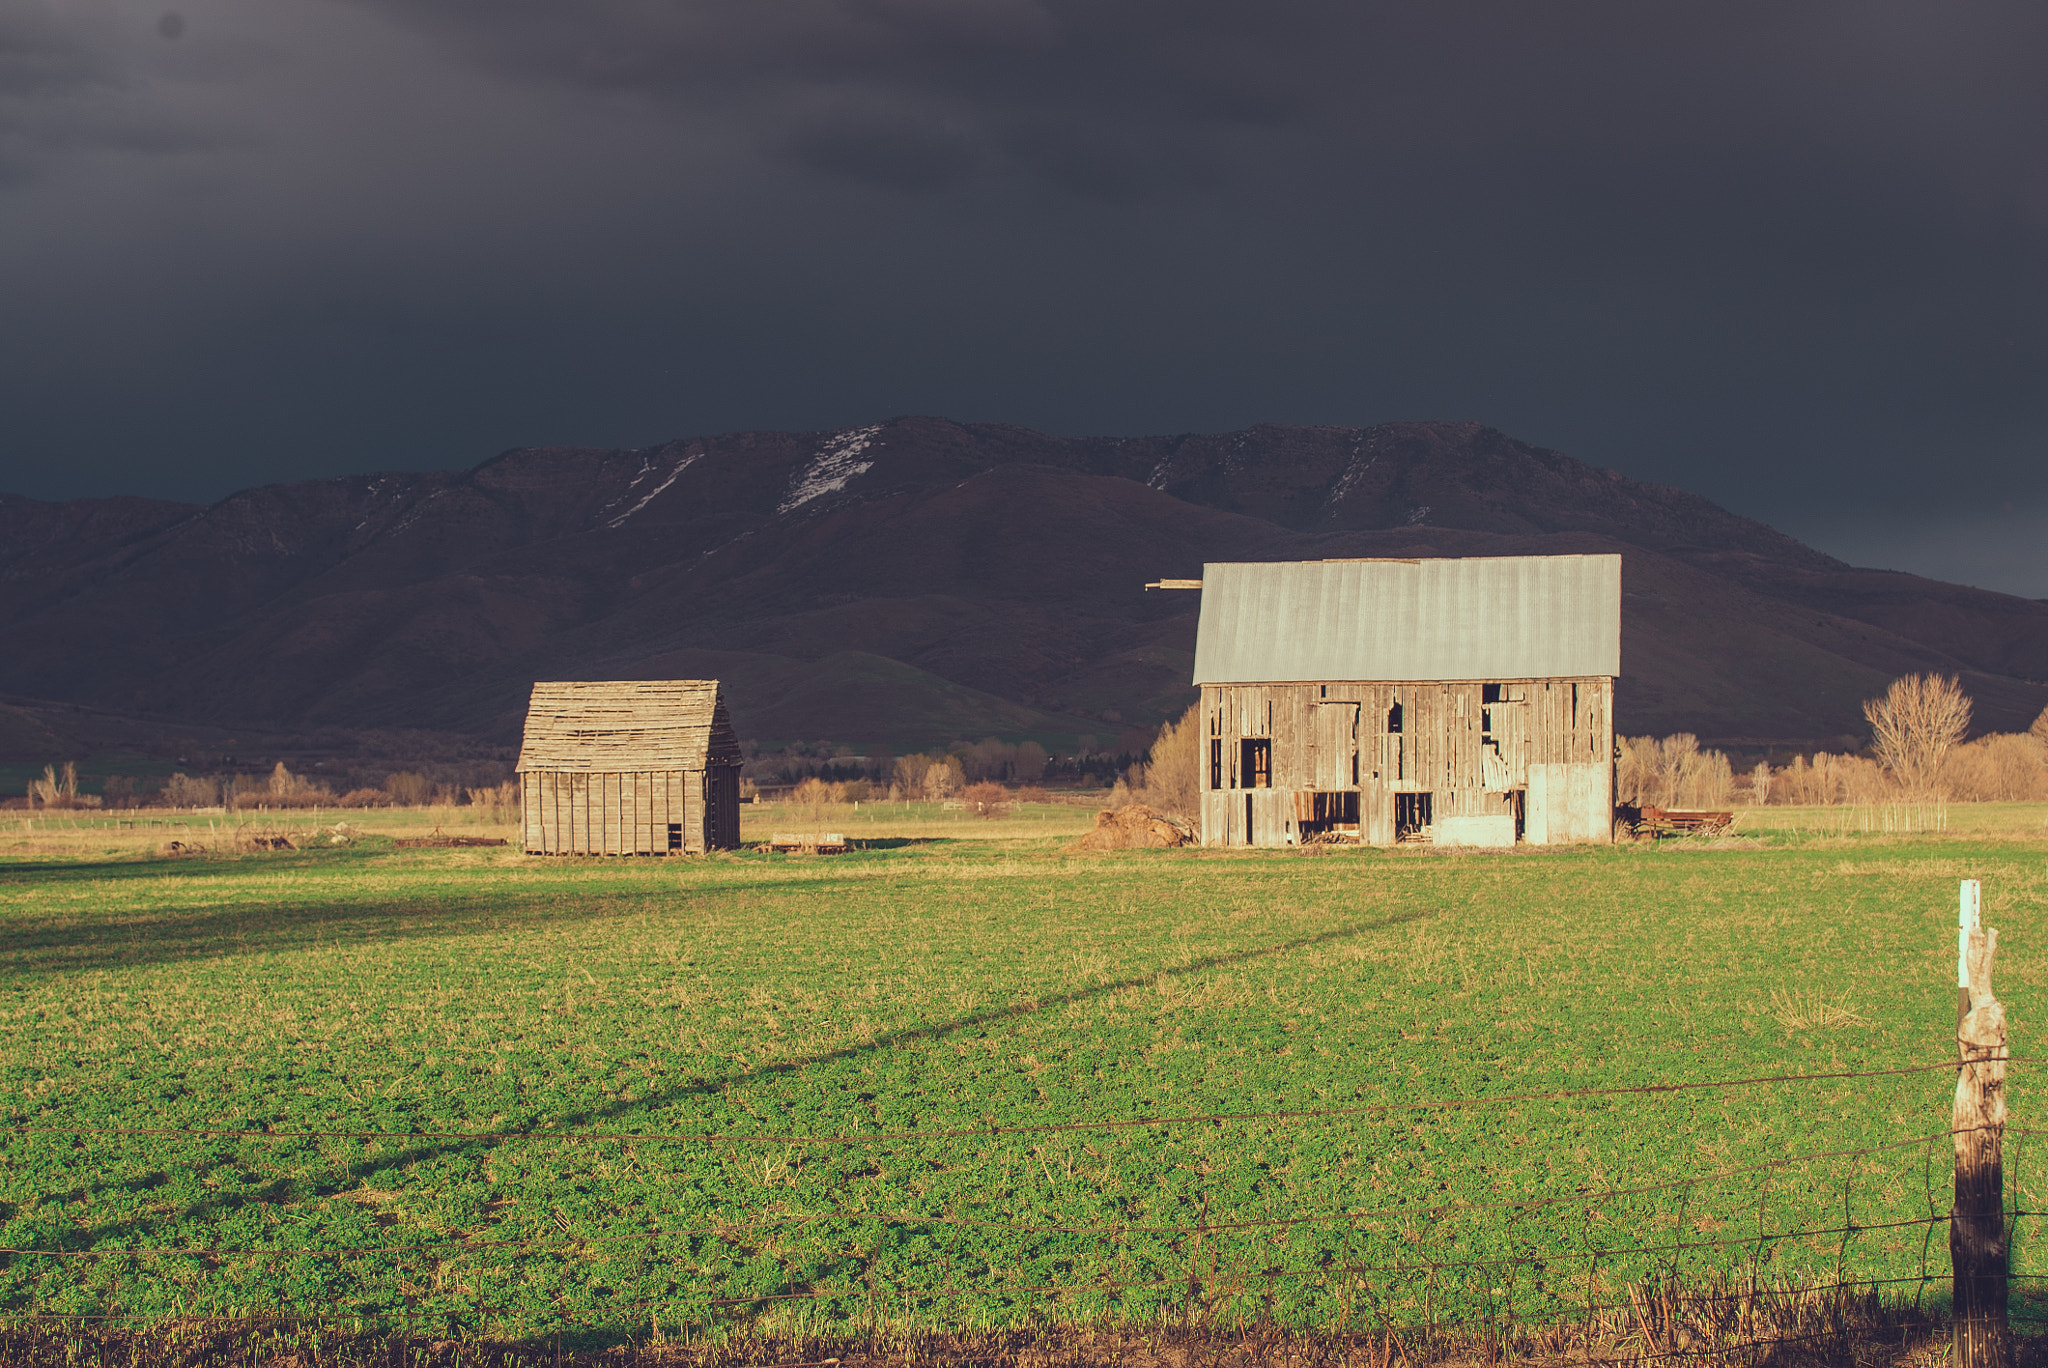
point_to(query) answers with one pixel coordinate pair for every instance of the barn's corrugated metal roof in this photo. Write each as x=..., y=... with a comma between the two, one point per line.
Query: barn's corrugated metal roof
x=1493, y=617
x=622, y=726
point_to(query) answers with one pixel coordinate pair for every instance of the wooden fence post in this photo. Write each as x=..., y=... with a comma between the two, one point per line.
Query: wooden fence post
x=1976, y=1232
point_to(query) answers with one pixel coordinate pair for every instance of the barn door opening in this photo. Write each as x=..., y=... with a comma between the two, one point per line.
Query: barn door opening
x=1327, y=816
x=1412, y=816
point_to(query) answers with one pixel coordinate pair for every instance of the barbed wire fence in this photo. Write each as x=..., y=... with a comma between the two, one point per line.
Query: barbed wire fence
x=1585, y=1263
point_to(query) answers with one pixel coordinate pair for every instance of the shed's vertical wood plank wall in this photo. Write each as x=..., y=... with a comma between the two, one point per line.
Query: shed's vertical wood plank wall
x=693, y=812
x=617, y=814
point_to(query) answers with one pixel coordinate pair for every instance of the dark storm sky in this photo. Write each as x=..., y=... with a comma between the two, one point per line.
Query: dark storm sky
x=1793, y=256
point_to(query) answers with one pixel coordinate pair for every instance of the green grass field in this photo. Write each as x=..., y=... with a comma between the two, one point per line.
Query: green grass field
x=707, y=1067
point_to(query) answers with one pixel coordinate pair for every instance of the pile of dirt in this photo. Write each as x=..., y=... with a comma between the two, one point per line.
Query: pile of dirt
x=1136, y=827
x=230, y=842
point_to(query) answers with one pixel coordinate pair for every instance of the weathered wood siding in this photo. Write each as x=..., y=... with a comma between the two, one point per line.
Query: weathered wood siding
x=630, y=814
x=1541, y=751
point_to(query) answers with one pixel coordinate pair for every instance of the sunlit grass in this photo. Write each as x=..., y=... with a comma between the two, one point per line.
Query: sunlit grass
x=959, y=975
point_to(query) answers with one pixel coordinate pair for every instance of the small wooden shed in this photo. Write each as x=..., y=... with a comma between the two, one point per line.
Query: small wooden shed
x=629, y=768
x=1455, y=701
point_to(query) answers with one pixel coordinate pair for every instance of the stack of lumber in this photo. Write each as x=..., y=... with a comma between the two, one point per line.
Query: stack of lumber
x=817, y=843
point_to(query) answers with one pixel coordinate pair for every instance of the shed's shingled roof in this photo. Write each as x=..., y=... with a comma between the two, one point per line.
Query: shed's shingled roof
x=1491, y=617
x=621, y=726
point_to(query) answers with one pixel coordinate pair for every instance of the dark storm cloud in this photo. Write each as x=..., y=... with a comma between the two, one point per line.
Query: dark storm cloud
x=915, y=94
x=1792, y=256
x=69, y=85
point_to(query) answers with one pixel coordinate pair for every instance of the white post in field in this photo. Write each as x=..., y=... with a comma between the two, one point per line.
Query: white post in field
x=1969, y=917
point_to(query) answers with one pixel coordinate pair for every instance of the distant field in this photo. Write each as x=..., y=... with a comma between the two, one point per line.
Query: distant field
x=968, y=976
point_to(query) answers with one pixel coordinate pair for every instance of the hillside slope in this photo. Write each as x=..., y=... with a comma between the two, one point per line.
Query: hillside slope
x=922, y=580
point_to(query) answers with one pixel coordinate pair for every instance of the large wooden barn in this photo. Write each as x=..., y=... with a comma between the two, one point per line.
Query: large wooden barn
x=1464, y=702
x=629, y=768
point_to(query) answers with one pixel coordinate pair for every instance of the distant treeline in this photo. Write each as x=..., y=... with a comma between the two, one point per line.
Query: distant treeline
x=280, y=789
x=969, y=762
x=1916, y=753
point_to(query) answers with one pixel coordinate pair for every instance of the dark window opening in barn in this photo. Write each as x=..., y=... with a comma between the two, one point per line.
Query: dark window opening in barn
x=1411, y=815
x=675, y=835
x=1394, y=719
x=1326, y=691
x=1256, y=768
x=1247, y=819
x=1215, y=764
x=1489, y=693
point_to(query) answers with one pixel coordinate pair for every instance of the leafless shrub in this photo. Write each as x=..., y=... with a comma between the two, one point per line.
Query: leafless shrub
x=1170, y=778
x=190, y=791
x=942, y=779
x=2006, y=767
x=55, y=790
x=408, y=788
x=930, y=777
x=364, y=798
x=987, y=799
x=907, y=774
x=814, y=800
x=1673, y=772
x=281, y=789
x=1914, y=726
x=1827, y=780
x=501, y=799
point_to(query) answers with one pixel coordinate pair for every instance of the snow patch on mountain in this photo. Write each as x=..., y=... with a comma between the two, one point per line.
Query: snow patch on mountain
x=1366, y=451
x=837, y=462
x=646, y=469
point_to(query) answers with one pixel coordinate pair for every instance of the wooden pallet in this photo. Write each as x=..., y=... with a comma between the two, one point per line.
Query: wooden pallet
x=824, y=843
x=1655, y=822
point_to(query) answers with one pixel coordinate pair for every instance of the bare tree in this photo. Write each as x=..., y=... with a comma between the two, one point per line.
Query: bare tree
x=1172, y=776
x=942, y=778
x=2040, y=727
x=1635, y=770
x=1914, y=727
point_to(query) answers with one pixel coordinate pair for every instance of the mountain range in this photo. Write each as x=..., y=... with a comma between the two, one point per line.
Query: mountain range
x=921, y=580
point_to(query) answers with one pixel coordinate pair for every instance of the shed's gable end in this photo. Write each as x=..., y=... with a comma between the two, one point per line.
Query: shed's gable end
x=627, y=726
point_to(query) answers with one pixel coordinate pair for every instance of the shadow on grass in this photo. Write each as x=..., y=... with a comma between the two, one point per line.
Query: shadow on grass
x=235, y=922
x=77, y=942
x=128, y=1231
